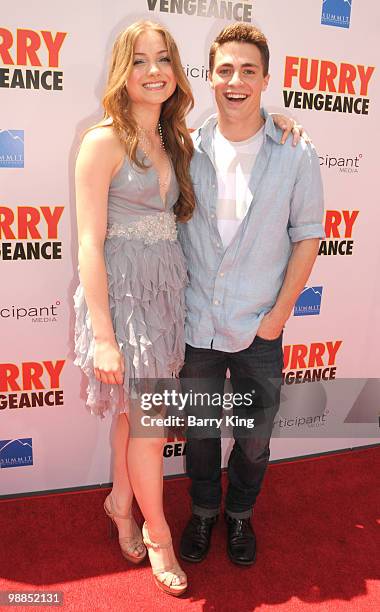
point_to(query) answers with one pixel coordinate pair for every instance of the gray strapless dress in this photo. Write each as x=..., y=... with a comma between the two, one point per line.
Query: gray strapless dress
x=147, y=275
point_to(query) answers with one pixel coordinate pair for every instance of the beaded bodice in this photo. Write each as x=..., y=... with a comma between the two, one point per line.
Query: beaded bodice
x=149, y=228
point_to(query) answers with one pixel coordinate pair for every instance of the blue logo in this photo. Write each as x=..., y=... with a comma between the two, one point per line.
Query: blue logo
x=336, y=13
x=16, y=453
x=11, y=148
x=309, y=302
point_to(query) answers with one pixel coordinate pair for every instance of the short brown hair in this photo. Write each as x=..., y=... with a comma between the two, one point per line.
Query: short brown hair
x=241, y=32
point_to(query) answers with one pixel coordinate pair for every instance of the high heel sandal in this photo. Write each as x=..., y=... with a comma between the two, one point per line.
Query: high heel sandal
x=128, y=544
x=170, y=570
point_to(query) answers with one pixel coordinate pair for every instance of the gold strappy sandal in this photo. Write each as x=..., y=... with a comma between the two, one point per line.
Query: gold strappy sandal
x=163, y=576
x=128, y=544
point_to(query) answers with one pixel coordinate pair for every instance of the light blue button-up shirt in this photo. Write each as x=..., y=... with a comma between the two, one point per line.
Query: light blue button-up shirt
x=232, y=289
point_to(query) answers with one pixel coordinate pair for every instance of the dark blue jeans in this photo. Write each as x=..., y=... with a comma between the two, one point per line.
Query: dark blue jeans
x=257, y=367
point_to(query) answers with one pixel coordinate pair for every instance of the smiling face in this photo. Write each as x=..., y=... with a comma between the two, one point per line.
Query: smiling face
x=238, y=81
x=151, y=80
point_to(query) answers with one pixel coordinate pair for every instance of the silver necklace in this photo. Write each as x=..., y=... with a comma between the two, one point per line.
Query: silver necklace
x=146, y=146
x=143, y=133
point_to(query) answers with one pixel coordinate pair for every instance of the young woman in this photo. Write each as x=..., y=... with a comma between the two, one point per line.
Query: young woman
x=132, y=185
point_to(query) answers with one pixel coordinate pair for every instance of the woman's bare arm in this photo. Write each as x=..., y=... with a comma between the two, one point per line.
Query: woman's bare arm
x=100, y=156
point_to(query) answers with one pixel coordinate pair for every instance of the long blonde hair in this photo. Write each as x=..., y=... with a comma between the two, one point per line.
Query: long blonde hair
x=116, y=105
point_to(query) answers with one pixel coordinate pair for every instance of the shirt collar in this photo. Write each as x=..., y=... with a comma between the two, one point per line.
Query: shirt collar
x=206, y=132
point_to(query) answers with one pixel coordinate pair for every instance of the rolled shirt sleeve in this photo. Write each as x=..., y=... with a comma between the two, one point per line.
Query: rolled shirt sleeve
x=306, y=206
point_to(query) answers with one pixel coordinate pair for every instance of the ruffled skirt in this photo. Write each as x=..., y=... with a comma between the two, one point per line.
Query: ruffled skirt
x=146, y=298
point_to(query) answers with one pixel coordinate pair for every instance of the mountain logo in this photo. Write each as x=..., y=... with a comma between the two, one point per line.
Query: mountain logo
x=16, y=453
x=336, y=13
x=309, y=302
x=11, y=148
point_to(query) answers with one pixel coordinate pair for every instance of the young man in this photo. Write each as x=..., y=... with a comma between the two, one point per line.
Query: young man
x=250, y=248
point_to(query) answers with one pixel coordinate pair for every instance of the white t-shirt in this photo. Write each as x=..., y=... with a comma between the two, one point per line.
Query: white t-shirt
x=234, y=162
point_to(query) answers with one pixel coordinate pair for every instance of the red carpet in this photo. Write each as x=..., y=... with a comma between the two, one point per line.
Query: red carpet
x=317, y=523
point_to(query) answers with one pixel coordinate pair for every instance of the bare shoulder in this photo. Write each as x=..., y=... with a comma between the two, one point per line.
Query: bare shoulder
x=101, y=149
x=102, y=138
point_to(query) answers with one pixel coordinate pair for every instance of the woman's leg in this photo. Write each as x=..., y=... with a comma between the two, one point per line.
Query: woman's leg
x=145, y=466
x=122, y=494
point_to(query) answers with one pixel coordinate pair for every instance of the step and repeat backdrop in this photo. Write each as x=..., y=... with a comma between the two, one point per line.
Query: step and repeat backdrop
x=53, y=67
